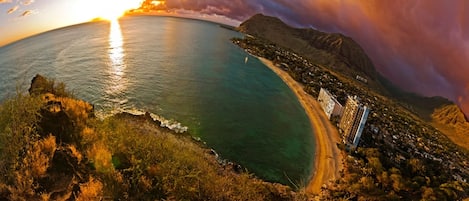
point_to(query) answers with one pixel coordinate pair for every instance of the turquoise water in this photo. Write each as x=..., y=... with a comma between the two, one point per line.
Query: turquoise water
x=181, y=69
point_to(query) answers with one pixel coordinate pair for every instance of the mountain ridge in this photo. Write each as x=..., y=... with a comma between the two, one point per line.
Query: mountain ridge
x=313, y=44
x=340, y=53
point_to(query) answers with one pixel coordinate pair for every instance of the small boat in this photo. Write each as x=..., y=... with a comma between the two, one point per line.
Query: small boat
x=246, y=60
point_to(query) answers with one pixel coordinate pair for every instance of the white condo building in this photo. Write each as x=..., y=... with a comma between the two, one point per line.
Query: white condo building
x=329, y=104
x=353, y=121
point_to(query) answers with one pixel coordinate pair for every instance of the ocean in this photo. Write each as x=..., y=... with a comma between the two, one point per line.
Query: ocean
x=181, y=69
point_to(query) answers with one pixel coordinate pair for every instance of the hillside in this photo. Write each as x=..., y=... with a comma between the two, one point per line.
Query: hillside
x=52, y=147
x=330, y=49
x=451, y=121
x=420, y=105
x=341, y=54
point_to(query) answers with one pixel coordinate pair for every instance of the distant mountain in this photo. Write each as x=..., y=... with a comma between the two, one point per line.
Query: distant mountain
x=342, y=54
x=451, y=115
x=331, y=49
x=451, y=120
x=423, y=106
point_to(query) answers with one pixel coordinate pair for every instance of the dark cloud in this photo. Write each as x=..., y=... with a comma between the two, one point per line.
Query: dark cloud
x=12, y=10
x=420, y=45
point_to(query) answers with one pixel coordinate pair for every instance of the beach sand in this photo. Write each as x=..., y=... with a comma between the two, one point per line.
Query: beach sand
x=328, y=157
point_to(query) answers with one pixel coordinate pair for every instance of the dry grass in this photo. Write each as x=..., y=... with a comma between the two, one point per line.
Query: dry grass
x=32, y=167
x=78, y=110
x=92, y=190
x=457, y=135
x=171, y=166
x=39, y=156
x=75, y=153
x=101, y=157
x=18, y=128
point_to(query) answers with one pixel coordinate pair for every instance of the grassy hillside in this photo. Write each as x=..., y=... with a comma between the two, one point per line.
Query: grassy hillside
x=53, y=148
x=451, y=121
x=418, y=104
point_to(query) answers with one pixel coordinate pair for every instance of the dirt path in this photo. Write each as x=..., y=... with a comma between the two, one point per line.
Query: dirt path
x=328, y=158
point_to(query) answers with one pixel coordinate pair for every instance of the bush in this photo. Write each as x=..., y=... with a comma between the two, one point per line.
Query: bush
x=41, y=85
x=92, y=190
x=18, y=131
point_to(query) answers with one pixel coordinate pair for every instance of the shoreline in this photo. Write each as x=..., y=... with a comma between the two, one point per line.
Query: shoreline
x=327, y=157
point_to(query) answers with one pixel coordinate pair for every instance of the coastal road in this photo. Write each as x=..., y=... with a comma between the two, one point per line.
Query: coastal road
x=328, y=157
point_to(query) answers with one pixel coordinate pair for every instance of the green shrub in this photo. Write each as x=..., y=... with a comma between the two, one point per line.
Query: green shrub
x=18, y=130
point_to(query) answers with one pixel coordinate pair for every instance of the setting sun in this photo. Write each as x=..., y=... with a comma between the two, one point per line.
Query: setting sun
x=111, y=10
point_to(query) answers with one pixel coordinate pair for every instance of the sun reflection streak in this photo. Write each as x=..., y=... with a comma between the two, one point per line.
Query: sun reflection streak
x=117, y=83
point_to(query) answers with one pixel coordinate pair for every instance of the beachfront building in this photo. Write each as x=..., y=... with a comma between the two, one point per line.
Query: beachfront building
x=329, y=104
x=353, y=121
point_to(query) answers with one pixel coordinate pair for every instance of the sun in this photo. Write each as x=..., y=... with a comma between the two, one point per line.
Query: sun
x=114, y=9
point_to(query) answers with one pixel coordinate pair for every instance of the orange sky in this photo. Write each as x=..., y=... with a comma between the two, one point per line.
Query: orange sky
x=20, y=18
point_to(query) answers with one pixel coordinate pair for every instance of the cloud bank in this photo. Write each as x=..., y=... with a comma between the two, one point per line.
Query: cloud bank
x=422, y=46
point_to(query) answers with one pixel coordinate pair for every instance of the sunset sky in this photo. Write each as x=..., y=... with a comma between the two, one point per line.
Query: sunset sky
x=420, y=45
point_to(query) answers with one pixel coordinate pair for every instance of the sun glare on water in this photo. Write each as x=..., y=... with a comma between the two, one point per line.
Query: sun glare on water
x=114, y=9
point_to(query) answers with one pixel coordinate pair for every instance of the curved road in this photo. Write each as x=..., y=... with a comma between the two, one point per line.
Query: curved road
x=328, y=157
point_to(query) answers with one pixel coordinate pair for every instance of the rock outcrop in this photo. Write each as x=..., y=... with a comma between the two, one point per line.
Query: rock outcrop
x=60, y=114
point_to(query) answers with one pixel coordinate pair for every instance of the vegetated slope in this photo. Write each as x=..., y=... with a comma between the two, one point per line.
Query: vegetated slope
x=422, y=106
x=52, y=147
x=331, y=49
x=451, y=121
x=441, y=112
x=342, y=54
